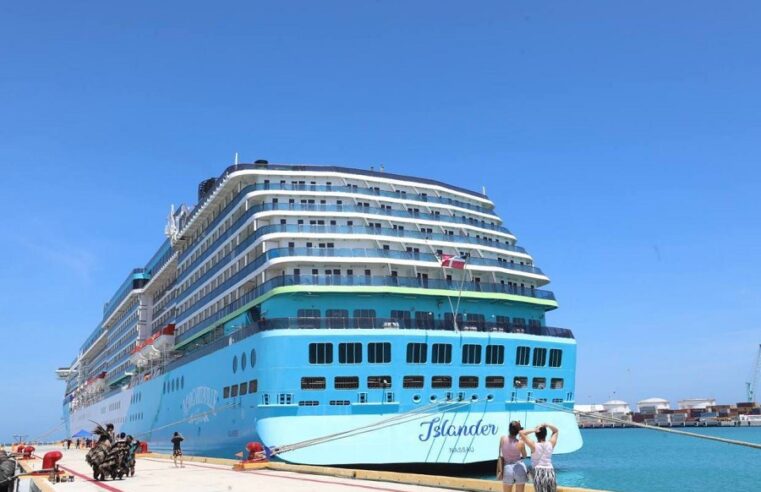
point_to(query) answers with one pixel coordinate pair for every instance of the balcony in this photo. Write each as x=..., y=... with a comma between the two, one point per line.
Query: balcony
x=309, y=229
x=136, y=280
x=361, y=172
x=354, y=281
x=265, y=207
x=349, y=253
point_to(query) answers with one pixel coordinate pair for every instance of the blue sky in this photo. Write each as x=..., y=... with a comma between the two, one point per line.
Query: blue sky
x=619, y=140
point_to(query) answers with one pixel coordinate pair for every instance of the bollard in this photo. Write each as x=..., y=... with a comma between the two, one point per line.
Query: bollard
x=255, y=452
x=27, y=453
x=50, y=459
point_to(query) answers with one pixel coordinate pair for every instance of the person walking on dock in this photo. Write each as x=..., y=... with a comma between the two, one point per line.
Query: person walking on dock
x=510, y=467
x=541, y=456
x=176, y=449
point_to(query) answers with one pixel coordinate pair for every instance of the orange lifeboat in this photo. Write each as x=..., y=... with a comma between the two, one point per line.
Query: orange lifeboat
x=152, y=347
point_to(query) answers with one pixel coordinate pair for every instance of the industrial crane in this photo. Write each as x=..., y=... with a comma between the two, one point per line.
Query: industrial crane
x=750, y=386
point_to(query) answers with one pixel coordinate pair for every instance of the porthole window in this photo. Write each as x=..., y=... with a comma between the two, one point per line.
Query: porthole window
x=474, y=397
x=235, y=364
x=252, y=359
x=243, y=361
x=433, y=397
x=489, y=397
x=416, y=399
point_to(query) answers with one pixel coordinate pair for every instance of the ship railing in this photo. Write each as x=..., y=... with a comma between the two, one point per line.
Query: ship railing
x=368, y=253
x=241, y=167
x=198, y=349
x=344, y=253
x=358, y=280
x=427, y=323
x=315, y=229
x=264, y=207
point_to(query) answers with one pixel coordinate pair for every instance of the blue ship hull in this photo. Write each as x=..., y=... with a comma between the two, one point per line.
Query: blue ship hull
x=386, y=425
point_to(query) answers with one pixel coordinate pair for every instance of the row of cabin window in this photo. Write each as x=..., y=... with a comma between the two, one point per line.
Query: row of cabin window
x=352, y=382
x=404, y=318
x=411, y=210
x=441, y=353
x=302, y=185
x=174, y=384
x=240, y=389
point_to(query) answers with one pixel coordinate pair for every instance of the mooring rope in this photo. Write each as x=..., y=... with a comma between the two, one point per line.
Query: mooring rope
x=398, y=419
x=650, y=427
x=58, y=426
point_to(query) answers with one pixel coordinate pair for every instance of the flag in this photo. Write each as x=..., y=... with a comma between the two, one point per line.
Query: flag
x=451, y=261
x=239, y=455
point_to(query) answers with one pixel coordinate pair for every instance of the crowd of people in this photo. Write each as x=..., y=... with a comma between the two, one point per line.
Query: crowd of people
x=79, y=443
x=113, y=454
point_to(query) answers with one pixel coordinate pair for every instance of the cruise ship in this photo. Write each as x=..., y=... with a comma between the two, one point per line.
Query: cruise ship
x=339, y=316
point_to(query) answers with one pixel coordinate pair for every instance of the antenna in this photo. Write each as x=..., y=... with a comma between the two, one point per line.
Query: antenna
x=236, y=158
x=750, y=386
x=483, y=190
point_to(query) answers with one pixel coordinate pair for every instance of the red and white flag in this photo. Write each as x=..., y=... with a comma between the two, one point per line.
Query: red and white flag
x=451, y=261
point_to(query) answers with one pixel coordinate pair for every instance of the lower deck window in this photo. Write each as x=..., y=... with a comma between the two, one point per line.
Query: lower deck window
x=556, y=383
x=379, y=381
x=346, y=382
x=243, y=388
x=468, y=381
x=320, y=353
x=520, y=382
x=495, y=381
x=253, y=386
x=308, y=403
x=539, y=383
x=441, y=382
x=312, y=383
x=379, y=353
x=340, y=402
x=412, y=382
x=441, y=353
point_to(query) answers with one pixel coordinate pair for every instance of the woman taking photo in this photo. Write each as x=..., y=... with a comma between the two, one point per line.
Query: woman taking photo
x=541, y=456
x=510, y=467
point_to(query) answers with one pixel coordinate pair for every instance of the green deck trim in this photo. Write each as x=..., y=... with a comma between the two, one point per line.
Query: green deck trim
x=362, y=289
x=114, y=382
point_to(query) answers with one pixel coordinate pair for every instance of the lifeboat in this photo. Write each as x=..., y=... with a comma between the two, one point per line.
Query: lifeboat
x=152, y=347
x=164, y=339
x=95, y=384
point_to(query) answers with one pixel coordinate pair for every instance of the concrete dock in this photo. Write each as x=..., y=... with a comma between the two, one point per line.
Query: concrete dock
x=157, y=472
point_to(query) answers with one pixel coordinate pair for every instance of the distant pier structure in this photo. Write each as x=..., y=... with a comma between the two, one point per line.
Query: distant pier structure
x=658, y=412
x=653, y=405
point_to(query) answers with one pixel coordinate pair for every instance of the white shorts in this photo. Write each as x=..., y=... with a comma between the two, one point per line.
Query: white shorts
x=515, y=473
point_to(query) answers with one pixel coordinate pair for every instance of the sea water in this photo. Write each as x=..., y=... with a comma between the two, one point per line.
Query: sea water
x=636, y=460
